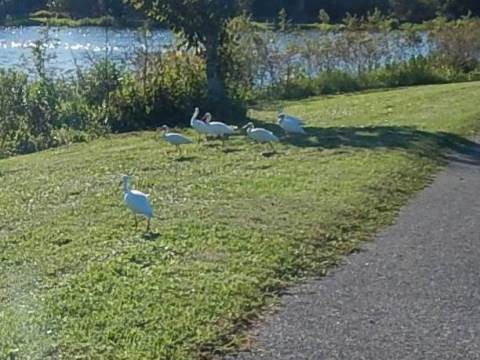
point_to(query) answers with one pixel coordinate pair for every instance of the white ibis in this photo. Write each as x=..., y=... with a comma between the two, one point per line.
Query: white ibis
x=200, y=126
x=291, y=119
x=261, y=135
x=174, y=138
x=137, y=202
x=217, y=128
x=291, y=125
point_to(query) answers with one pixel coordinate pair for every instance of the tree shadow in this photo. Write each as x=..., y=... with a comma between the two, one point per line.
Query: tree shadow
x=450, y=146
x=269, y=154
x=389, y=137
x=230, y=150
x=185, y=158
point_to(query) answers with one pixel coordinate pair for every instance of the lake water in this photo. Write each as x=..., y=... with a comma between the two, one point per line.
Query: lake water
x=73, y=45
x=80, y=46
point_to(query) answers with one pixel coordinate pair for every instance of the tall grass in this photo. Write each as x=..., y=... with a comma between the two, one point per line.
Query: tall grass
x=366, y=55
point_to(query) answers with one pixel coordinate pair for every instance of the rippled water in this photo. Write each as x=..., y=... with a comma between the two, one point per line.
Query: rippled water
x=79, y=46
x=72, y=45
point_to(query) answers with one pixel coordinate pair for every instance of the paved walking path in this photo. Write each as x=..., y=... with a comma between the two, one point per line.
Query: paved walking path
x=412, y=294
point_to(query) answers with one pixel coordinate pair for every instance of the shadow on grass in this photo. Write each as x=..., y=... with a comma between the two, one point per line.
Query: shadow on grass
x=269, y=154
x=151, y=236
x=211, y=144
x=185, y=158
x=429, y=144
x=231, y=150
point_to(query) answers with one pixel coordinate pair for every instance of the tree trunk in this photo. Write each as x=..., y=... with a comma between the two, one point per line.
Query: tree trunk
x=215, y=81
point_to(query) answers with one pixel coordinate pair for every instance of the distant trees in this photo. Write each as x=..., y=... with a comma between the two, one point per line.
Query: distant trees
x=406, y=10
x=456, y=8
x=90, y=8
x=76, y=8
x=14, y=7
x=417, y=10
x=298, y=10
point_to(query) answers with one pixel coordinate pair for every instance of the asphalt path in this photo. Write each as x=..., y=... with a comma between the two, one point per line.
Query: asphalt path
x=413, y=293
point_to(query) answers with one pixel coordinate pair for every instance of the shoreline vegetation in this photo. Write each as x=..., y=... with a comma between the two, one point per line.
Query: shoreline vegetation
x=111, y=97
x=45, y=18
x=375, y=21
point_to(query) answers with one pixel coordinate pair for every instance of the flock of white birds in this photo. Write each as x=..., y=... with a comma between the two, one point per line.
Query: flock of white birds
x=139, y=202
x=205, y=126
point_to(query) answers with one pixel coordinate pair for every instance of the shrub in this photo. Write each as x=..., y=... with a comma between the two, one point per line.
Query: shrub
x=13, y=109
x=323, y=17
x=457, y=43
x=416, y=71
x=46, y=14
x=173, y=86
x=333, y=82
x=283, y=23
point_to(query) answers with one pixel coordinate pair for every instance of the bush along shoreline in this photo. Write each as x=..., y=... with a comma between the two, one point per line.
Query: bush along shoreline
x=45, y=111
x=44, y=18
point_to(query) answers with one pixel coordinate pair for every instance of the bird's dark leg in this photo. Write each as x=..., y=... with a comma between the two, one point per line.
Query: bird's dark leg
x=148, y=225
x=136, y=222
x=272, y=147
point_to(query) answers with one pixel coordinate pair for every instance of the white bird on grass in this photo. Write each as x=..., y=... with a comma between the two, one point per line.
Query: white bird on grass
x=217, y=128
x=291, y=125
x=261, y=135
x=174, y=138
x=200, y=126
x=137, y=202
x=291, y=119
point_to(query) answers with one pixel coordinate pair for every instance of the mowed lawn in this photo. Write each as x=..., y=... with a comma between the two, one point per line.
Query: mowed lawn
x=232, y=226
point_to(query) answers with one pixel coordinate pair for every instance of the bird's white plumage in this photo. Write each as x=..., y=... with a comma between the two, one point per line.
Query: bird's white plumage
x=174, y=138
x=199, y=125
x=136, y=201
x=260, y=134
x=177, y=139
x=291, y=119
x=217, y=128
x=290, y=125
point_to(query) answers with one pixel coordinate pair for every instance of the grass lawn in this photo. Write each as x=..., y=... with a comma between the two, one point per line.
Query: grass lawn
x=231, y=228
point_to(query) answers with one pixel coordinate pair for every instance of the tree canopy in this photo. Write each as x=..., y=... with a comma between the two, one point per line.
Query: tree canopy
x=199, y=20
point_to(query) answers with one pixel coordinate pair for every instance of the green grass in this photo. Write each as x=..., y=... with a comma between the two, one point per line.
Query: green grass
x=231, y=227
